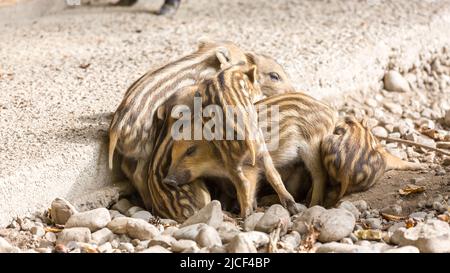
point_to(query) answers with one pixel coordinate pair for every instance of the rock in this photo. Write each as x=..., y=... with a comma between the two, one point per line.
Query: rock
x=208, y=237
x=418, y=216
x=189, y=232
x=102, y=236
x=372, y=223
x=251, y=221
x=218, y=249
x=392, y=210
x=361, y=205
x=258, y=238
x=134, y=228
x=123, y=205
x=6, y=247
x=169, y=231
x=141, y=245
x=347, y=240
x=38, y=231
x=334, y=247
x=61, y=211
x=211, y=214
x=369, y=234
x=371, y=102
x=50, y=236
x=292, y=239
x=404, y=249
x=227, y=231
x=335, y=224
x=155, y=249
x=274, y=215
x=395, y=82
x=307, y=218
x=77, y=234
x=162, y=240
x=105, y=248
x=379, y=131
x=241, y=244
x=143, y=214
x=25, y=224
x=351, y=208
x=394, y=108
x=447, y=118
x=126, y=247
x=94, y=219
x=139, y=229
x=133, y=210
x=184, y=245
x=432, y=236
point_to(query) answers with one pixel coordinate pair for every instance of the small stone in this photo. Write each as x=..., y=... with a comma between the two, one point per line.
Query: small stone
x=38, y=231
x=162, y=240
x=446, y=161
x=139, y=229
x=440, y=172
x=292, y=239
x=361, y=205
x=189, y=232
x=211, y=214
x=126, y=247
x=369, y=234
x=227, y=231
x=169, y=231
x=208, y=237
x=379, y=131
x=251, y=221
x=144, y=215
x=274, y=215
x=334, y=247
x=218, y=249
x=372, y=102
x=61, y=211
x=351, y=208
x=335, y=224
x=372, y=223
x=432, y=236
x=184, y=245
x=155, y=249
x=93, y=219
x=258, y=238
x=77, y=234
x=394, y=108
x=418, y=216
x=404, y=249
x=105, y=248
x=241, y=244
x=439, y=207
x=60, y=248
x=307, y=218
x=395, y=82
x=392, y=210
x=142, y=245
x=6, y=247
x=118, y=225
x=43, y=250
x=102, y=236
x=122, y=206
x=168, y=222
x=347, y=240
x=133, y=210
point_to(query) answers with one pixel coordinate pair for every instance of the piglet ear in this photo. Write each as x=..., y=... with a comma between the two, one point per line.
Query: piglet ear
x=223, y=55
x=252, y=74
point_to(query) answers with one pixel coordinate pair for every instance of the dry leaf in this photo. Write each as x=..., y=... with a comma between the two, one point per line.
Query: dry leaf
x=409, y=189
x=369, y=234
x=432, y=133
x=443, y=217
x=53, y=229
x=391, y=217
x=410, y=223
x=307, y=244
x=84, y=65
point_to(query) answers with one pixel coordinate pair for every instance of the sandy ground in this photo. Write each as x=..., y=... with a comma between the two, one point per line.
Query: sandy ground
x=62, y=75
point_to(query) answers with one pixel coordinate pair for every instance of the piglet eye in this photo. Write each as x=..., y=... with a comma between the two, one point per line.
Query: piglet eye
x=190, y=150
x=274, y=76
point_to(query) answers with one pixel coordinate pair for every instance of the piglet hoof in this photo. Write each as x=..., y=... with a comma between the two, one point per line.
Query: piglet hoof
x=292, y=207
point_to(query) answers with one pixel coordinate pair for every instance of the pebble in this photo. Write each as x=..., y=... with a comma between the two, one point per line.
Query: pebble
x=403, y=249
x=227, y=231
x=189, y=232
x=169, y=231
x=433, y=236
x=394, y=108
x=379, y=131
x=184, y=245
x=155, y=249
x=127, y=247
x=361, y=205
x=6, y=247
x=292, y=239
x=118, y=225
x=123, y=205
x=105, y=248
x=93, y=219
x=38, y=231
x=447, y=118
x=133, y=210
x=251, y=221
x=335, y=224
x=143, y=214
x=211, y=214
x=139, y=229
x=418, y=216
x=274, y=215
x=208, y=237
x=349, y=206
x=307, y=218
x=392, y=210
x=61, y=211
x=162, y=240
x=395, y=82
x=372, y=223
x=77, y=234
x=241, y=244
x=335, y=247
x=258, y=238
x=102, y=236
x=50, y=236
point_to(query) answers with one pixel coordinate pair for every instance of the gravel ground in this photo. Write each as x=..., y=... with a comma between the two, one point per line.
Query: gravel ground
x=60, y=82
